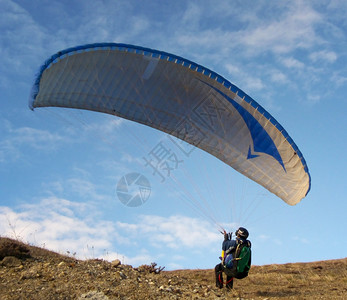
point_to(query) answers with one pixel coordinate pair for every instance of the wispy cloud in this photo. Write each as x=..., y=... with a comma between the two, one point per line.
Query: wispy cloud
x=293, y=30
x=84, y=188
x=35, y=138
x=339, y=79
x=108, y=125
x=173, y=232
x=249, y=82
x=278, y=76
x=16, y=141
x=324, y=55
x=301, y=240
x=80, y=185
x=21, y=37
x=293, y=63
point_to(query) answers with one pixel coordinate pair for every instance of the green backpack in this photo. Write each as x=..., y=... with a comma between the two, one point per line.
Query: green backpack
x=241, y=261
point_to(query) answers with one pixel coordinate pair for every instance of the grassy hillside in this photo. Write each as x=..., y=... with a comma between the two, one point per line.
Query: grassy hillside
x=28, y=272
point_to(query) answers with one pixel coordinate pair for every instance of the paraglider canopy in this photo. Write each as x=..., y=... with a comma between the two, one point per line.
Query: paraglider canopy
x=181, y=98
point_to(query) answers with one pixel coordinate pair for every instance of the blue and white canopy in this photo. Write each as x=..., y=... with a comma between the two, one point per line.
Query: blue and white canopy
x=181, y=98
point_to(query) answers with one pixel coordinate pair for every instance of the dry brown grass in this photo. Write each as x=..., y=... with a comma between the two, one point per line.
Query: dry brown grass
x=35, y=273
x=316, y=280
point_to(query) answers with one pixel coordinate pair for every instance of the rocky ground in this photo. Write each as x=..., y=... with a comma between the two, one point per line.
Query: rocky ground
x=28, y=272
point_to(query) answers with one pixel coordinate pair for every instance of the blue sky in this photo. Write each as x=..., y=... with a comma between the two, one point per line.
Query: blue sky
x=59, y=168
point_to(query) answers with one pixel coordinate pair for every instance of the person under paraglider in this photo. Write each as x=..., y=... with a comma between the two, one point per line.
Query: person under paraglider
x=232, y=255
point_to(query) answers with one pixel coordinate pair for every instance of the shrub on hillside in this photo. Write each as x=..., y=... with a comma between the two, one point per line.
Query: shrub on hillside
x=10, y=247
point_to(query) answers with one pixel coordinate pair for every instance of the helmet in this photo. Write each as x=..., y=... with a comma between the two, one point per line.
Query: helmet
x=242, y=232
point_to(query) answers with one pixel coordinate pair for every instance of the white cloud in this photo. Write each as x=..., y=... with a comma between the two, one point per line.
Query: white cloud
x=175, y=266
x=278, y=76
x=248, y=82
x=140, y=259
x=17, y=140
x=192, y=15
x=54, y=223
x=324, y=55
x=300, y=239
x=20, y=37
x=264, y=237
x=339, y=79
x=291, y=26
x=62, y=225
x=293, y=63
x=81, y=186
x=104, y=128
x=278, y=242
x=313, y=99
x=232, y=69
x=173, y=232
x=35, y=138
x=293, y=30
x=84, y=188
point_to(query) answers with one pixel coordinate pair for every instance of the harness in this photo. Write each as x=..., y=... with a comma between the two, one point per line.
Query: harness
x=233, y=272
